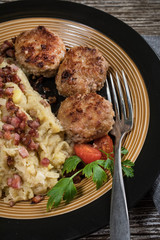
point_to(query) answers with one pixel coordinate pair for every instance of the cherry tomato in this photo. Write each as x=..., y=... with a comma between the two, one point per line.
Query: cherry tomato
x=87, y=153
x=106, y=144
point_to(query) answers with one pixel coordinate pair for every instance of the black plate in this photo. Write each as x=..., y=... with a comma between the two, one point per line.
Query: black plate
x=90, y=218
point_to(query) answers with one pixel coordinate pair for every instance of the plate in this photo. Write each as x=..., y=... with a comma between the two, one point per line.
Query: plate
x=124, y=49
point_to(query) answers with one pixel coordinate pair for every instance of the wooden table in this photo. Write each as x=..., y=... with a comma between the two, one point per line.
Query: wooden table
x=144, y=17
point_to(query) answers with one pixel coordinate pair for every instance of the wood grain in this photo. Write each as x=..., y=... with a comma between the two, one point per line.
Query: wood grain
x=141, y=15
x=144, y=223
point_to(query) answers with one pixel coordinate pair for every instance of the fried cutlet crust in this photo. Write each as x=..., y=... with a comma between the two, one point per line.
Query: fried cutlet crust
x=83, y=70
x=86, y=117
x=39, y=51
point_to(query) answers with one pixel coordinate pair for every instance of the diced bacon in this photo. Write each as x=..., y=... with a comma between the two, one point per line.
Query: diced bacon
x=10, y=161
x=22, y=125
x=44, y=103
x=45, y=162
x=3, y=47
x=7, y=127
x=16, y=138
x=23, y=152
x=9, y=182
x=16, y=79
x=26, y=139
x=33, y=133
x=15, y=121
x=11, y=106
x=1, y=84
x=33, y=145
x=1, y=91
x=21, y=115
x=22, y=87
x=7, y=135
x=9, y=43
x=9, y=91
x=14, y=67
x=10, y=53
x=4, y=119
x=37, y=199
x=14, y=182
x=11, y=203
x=33, y=123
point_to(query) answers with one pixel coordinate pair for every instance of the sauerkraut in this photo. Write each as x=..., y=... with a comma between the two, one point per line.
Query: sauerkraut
x=32, y=146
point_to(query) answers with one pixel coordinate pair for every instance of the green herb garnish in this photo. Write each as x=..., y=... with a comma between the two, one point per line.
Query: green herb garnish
x=65, y=188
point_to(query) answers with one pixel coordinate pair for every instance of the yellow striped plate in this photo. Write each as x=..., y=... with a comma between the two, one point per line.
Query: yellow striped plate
x=74, y=34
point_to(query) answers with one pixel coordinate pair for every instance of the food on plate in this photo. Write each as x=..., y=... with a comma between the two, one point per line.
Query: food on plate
x=86, y=117
x=104, y=143
x=87, y=152
x=33, y=149
x=39, y=51
x=83, y=70
x=98, y=170
x=35, y=155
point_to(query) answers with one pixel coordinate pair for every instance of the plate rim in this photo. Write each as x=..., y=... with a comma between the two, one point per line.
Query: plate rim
x=103, y=202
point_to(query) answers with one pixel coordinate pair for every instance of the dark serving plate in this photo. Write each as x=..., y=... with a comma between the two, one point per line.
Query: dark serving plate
x=94, y=215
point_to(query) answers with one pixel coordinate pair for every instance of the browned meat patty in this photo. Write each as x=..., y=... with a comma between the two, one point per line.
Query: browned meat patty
x=39, y=51
x=83, y=70
x=86, y=117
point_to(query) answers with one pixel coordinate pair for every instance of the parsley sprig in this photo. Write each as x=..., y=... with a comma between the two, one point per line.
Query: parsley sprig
x=65, y=188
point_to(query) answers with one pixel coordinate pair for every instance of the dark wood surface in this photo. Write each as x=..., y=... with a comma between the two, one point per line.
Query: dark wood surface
x=144, y=17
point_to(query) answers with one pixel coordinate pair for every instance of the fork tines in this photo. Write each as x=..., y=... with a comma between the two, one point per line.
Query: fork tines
x=120, y=98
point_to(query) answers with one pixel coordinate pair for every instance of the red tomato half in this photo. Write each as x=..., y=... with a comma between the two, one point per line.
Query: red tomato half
x=87, y=153
x=106, y=144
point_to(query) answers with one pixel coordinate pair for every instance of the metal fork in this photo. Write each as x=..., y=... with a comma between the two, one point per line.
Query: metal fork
x=119, y=220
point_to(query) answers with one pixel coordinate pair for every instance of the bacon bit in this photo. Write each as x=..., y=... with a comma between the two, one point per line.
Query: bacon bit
x=14, y=182
x=15, y=121
x=33, y=133
x=33, y=123
x=22, y=87
x=23, y=152
x=10, y=161
x=7, y=135
x=1, y=92
x=1, y=82
x=45, y=162
x=9, y=91
x=4, y=47
x=33, y=145
x=11, y=106
x=7, y=127
x=10, y=53
x=21, y=115
x=9, y=182
x=22, y=125
x=26, y=139
x=37, y=199
x=11, y=203
x=16, y=79
x=4, y=119
x=16, y=138
x=44, y=103
x=14, y=67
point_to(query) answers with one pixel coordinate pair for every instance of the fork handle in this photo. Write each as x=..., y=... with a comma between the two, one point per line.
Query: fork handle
x=119, y=220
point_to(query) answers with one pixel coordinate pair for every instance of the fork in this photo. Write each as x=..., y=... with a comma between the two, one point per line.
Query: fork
x=119, y=220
